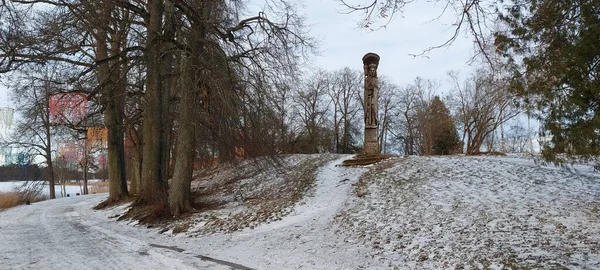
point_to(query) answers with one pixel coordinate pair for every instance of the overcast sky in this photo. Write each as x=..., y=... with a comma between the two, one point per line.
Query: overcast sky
x=343, y=44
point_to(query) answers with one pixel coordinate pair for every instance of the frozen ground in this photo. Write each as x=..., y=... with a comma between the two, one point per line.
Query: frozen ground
x=476, y=213
x=66, y=234
x=406, y=213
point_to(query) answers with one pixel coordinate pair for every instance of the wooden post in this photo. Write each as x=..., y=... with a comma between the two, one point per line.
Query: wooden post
x=370, y=63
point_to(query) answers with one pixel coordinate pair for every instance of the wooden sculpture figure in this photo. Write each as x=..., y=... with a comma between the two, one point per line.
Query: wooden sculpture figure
x=370, y=63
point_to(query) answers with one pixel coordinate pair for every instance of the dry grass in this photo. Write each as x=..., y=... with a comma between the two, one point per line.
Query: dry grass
x=12, y=199
x=361, y=188
x=248, y=194
x=72, y=183
x=492, y=153
x=9, y=199
x=98, y=187
x=150, y=215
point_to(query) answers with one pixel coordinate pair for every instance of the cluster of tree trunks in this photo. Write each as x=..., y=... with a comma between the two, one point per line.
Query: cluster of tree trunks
x=168, y=76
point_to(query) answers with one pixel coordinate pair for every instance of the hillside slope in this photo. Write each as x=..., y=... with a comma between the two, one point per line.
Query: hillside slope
x=476, y=212
x=403, y=213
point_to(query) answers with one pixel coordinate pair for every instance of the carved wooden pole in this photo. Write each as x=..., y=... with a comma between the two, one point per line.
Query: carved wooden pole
x=370, y=63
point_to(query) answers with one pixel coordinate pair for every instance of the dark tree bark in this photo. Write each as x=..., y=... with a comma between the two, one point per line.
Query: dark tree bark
x=48, y=149
x=179, y=195
x=112, y=89
x=154, y=188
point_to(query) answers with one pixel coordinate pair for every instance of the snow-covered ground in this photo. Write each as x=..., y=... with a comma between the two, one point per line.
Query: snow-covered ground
x=404, y=213
x=67, y=234
x=474, y=213
x=304, y=239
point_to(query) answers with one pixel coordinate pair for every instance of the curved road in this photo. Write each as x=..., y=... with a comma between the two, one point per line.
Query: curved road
x=66, y=234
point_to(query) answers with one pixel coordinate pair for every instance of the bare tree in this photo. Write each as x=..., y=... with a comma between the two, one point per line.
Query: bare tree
x=345, y=88
x=32, y=91
x=233, y=58
x=210, y=50
x=88, y=36
x=413, y=101
x=408, y=97
x=517, y=139
x=311, y=110
x=389, y=110
x=482, y=104
x=179, y=199
x=111, y=37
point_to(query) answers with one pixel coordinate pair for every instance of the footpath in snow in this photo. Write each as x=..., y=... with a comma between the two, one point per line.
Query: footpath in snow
x=67, y=234
x=304, y=239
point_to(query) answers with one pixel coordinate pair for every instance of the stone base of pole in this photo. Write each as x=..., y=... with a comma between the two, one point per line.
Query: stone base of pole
x=370, y=154
x=371, y=142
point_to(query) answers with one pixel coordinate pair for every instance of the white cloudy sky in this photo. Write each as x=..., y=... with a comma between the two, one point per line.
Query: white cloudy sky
x=342, y=43
x=416, y=29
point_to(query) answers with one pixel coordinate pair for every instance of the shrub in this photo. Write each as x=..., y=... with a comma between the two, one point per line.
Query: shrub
x=31, y=191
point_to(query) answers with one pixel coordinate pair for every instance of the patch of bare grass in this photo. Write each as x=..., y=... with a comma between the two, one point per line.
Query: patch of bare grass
x=150, y=215
x=361, y=189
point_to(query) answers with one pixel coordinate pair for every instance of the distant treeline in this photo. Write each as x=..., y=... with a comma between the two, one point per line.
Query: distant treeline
x=34, y=172
x=17, y=172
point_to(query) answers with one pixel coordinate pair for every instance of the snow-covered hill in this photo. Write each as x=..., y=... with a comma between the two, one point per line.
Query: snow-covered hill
x=475, y=213
x=405, y=213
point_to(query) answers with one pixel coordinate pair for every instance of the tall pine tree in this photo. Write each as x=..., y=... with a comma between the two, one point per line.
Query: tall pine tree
x=552, y=46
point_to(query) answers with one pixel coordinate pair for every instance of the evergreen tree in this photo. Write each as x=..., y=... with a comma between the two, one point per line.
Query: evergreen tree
x=552, y=47
x=445, y=139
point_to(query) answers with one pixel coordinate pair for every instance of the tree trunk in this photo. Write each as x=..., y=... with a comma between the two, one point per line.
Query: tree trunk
x=179, y=195
x=154, y=189
x=136, y=169
x=48, y=149
x=113, y=97
x=113, y=116
x=86, y=160
x=168, y=85
x=134, y=158
x=116, y=155
x=51, y=182
x=336, y=128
